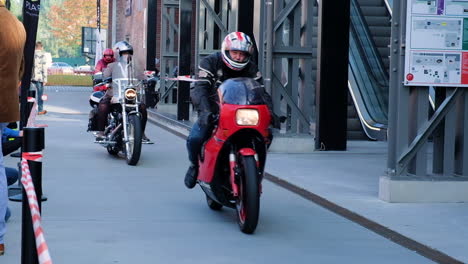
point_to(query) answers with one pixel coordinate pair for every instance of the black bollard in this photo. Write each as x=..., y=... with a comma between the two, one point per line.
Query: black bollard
x=30, y=104
x=33, y=141
x=14, y=192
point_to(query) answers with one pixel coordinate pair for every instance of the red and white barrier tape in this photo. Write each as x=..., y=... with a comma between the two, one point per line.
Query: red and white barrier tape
x=184, y=78
x=33, y=114
x=33, y=156
x=26, y=180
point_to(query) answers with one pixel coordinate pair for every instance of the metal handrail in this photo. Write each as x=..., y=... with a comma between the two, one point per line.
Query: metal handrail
x=389, y=6
x=364, y=36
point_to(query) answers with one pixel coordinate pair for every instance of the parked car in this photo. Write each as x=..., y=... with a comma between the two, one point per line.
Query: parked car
x=84, y=70
x=60, y=68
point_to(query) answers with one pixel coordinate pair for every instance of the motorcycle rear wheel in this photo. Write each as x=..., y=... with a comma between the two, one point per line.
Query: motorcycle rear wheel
x=133, y=146
x=248, y=201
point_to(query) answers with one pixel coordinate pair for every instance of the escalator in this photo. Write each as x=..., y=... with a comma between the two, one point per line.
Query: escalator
x=377, y=17
x=368, y=79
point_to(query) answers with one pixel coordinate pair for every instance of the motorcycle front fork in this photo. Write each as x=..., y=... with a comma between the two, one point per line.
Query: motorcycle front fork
x=125, y=121
x=234, y=173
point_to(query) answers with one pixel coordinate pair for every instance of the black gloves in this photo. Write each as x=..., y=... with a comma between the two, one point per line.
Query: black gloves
x=277, y=120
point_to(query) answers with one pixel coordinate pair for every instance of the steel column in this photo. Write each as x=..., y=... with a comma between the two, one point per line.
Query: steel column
x=306, y=84
x=332, y=75
x=151, y=36
x=169, y=49
x=396, y=78
x=197, y=39
x=464, y=135
x=419, y=115
x=461, y=147
x=245, y=23
x=185, y=36
x=269, y=49
x=449, y=137
x=438, y=135
x=395, y=57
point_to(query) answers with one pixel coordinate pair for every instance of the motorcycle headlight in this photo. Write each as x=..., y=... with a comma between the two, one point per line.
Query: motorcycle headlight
x=247, y=117
x=130, y=94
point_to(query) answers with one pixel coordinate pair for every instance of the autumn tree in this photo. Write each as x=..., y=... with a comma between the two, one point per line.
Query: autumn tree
x=66, y=20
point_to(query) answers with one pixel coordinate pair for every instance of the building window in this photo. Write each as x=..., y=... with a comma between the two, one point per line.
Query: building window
x=140, y=5
x=128, y=8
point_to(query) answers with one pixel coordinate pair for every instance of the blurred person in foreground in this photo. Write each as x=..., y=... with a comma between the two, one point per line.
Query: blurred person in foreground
x=11, y=141
x=12, y=41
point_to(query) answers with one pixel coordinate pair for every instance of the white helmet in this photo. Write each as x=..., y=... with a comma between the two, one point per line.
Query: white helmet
x=123, y=46
x=236, y=41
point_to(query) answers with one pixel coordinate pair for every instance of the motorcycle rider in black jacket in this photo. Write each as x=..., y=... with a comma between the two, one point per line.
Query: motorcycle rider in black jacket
x=232, y=61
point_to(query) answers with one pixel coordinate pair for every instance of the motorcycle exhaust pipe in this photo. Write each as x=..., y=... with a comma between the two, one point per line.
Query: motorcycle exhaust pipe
x=110, y=137
x=112, y=133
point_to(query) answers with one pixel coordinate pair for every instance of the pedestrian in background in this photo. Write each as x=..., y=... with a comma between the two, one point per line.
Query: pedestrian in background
x=12, y=40
x=42, y=61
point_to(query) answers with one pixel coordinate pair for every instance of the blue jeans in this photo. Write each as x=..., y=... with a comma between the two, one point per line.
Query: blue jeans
x=39, y=92
x=11, y=175
x=3, y=191
x=198, y=135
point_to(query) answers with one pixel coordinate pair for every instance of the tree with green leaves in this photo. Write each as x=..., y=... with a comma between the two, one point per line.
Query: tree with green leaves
x=64, y=23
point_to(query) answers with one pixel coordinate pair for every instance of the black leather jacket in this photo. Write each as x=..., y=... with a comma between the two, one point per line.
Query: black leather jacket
x=212, y=72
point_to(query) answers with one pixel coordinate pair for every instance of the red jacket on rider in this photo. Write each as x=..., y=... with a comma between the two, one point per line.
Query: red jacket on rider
x=102, y=64
x=107, y=57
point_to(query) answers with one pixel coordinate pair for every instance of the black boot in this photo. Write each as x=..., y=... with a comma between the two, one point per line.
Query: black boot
x=191, y=176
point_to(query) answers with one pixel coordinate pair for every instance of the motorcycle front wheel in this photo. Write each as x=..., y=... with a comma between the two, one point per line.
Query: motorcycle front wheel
x=248, y=201
x=133, y=145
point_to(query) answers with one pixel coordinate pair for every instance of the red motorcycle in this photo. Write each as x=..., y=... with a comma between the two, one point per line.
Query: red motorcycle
x=233, y=159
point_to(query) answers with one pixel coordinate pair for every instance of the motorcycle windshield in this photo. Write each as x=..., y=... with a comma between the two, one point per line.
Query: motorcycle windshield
x=242, y=91
x=125, y=82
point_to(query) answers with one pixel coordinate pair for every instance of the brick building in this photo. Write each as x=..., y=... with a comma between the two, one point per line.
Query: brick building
x=128, y=20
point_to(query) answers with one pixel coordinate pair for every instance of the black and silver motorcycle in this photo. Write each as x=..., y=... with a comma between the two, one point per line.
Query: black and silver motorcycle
x=124, y=131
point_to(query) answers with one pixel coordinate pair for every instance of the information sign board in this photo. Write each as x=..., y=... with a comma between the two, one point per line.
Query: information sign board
x=437, y=43
x=89, y=38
